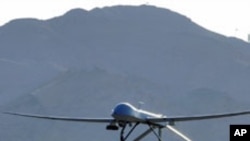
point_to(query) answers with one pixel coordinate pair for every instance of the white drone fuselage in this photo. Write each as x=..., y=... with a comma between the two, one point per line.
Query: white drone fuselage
x=129, y=113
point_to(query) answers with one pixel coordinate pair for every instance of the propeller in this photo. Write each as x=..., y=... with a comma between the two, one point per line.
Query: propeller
x=171, y=128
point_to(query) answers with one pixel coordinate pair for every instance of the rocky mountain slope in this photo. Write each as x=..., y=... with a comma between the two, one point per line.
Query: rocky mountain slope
x=84, y=62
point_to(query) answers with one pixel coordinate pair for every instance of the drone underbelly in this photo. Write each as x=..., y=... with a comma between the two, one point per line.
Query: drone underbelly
x=128, y=118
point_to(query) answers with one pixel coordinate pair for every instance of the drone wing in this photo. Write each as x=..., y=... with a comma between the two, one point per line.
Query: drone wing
x=108, y=120
x=62, y=118
x=198, y=117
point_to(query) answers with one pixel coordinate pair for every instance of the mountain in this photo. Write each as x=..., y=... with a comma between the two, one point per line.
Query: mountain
x=84, y=62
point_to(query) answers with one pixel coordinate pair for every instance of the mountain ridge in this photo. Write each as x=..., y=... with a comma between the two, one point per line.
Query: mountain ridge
x=84, y=62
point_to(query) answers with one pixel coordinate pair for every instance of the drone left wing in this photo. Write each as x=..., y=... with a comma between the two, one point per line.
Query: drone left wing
x=62, y=118
x=198, y=117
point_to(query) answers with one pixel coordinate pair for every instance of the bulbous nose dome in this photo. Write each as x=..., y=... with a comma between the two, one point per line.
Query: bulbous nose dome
x=123, y=109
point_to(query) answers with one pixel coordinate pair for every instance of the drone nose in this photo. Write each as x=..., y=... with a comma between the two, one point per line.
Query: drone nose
x=122, y=110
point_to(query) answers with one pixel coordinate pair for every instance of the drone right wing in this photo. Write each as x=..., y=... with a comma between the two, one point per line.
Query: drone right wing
x=75, y=119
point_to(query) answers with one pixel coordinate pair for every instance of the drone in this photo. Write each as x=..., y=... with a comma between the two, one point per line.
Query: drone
x=126, y=115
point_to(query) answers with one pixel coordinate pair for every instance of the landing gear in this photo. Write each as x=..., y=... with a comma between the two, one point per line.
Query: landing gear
x=151, y=129
x=122, y=138
x=144, y=134
x=159, y=131
x=115, y=126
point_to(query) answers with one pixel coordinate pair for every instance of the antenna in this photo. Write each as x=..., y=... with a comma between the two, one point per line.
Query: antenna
x=140, y=103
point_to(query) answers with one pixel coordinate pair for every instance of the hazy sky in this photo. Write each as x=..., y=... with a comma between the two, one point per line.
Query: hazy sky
x=228, y=17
